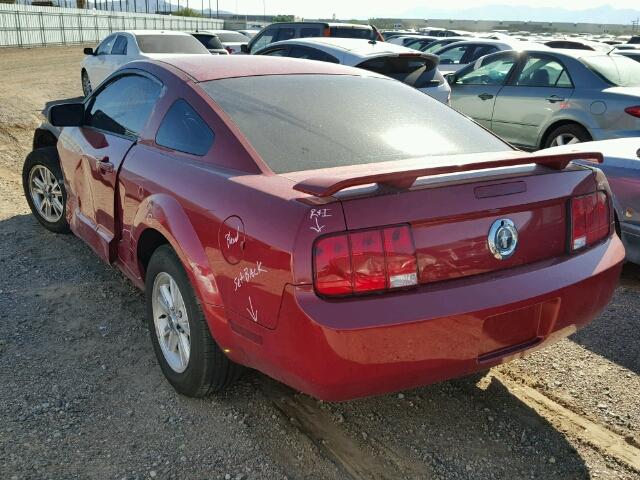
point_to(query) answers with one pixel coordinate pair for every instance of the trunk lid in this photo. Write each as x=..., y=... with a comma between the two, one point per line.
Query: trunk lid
x=451, y=214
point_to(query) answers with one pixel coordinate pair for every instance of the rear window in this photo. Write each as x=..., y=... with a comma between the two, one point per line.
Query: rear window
x=210, y=42
x=232, y=37
x=616, y=70
x=351, y=32
x=346, y=120
x=169, y=44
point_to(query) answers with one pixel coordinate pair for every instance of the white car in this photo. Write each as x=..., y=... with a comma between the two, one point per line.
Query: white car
x=231, y=40
x=456, y=55
x=126, y=46
x=412, y=67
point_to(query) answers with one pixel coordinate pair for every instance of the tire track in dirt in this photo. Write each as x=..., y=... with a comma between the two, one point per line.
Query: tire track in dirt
x=356, y=460
x=571, y=423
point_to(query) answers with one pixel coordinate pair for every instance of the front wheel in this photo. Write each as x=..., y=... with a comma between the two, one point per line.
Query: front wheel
x=189, y=357
x=44, y=189
x=567, y=135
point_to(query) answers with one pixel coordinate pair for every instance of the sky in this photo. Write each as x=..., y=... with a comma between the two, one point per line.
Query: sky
x=395, y=8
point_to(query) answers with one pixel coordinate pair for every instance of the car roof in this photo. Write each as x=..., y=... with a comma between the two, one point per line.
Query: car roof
x=355, y=46
x=152, y=32
x=217, y=67
x=329, y=24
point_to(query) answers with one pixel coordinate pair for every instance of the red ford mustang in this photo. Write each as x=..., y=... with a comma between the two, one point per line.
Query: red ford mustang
x=330, y=227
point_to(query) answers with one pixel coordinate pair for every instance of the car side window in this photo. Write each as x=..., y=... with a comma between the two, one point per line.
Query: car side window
x=481, y=51
x=492, y=73
x=310, y=32
x=263, y=40
x=105, y=47
x=120, y=46
x=312, y=54
x=182, y=129
x=453, y=56
x=123, y=106
x=543, y=72
x=276, y=52
x=285, y=34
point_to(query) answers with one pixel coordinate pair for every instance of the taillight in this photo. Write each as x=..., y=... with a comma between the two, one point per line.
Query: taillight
x=590, y=219
x=365, y=261
x=633, y=111
x=229, y=50
x=326, y=32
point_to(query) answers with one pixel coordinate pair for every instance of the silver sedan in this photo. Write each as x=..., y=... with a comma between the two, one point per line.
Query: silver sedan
x=537, y=99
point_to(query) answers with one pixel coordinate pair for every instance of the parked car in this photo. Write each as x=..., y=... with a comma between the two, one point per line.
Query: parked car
x=439, y=44
x=277, y=32
x=299, y=235
x=632, y=54
x=621, y=166
x=405, y=40
x=210, y=41
x=635, y=40
x=249, y=33
x=456, y=55
x=231, y=40
x=126, y=46
x=414, y=68
x=542, y=98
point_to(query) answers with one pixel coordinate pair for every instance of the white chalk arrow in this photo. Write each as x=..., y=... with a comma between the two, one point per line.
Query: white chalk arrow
x=253, y=313
x=318, y=228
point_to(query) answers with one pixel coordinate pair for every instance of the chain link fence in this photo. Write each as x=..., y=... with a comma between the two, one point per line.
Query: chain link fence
x=30, y=26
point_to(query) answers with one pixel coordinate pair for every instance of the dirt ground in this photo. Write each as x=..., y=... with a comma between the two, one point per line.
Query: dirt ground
x=81, y=395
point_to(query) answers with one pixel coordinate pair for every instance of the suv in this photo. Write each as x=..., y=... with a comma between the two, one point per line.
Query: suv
x=286, y=30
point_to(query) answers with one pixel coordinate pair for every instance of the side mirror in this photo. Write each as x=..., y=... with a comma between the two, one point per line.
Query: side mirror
x=66, y=114
x=244, y=48
x=88, y=51
x=450, y=78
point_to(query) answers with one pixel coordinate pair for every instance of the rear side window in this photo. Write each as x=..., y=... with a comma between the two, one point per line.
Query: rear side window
x=123, y=107
x=340, y=123
x=543, y=72
x=349, y=32
x=310, y=32
x=169, y=44
x=182, y=129
x=285, y=34
x=120, y=47
x=312, y=54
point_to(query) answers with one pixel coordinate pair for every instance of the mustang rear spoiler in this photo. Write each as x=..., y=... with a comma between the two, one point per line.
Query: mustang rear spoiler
x=325, y=186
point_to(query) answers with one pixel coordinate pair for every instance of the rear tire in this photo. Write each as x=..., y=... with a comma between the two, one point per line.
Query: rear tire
x=189, y=357
x=567, y=135
x=44, y=190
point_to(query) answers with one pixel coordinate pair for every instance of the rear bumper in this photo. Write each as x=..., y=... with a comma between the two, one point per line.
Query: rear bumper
x=631, y=239
x=347, y=349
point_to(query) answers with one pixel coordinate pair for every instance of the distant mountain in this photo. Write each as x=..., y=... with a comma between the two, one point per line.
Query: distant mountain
x=599, y=15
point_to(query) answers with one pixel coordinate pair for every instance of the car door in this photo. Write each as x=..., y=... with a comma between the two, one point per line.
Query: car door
x=102, y=66
x=119, y=52
x=474, y=90
x=536, y=92
x=91, y=155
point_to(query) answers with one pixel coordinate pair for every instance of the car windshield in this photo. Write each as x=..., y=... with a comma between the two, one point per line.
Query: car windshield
x=341, y=122
x=617, y=70
x=232, y=37
x=169, y=44
x=210, y=42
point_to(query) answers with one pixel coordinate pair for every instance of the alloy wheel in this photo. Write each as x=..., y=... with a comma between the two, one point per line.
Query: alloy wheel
x=564, y=139
x=171, y=322
x=46, y=193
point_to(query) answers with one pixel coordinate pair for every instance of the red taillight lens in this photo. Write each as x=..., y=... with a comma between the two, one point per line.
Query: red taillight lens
x=365, y=261
x=333, y=266
x=326, y=32
x=590, y=220
x=633, y=111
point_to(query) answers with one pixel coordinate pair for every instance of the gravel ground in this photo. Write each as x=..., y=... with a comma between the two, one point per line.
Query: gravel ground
x=82, y=396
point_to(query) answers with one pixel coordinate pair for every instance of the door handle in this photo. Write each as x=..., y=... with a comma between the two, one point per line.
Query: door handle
x=485, y=96
x=555, y=99
x=104, y=165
